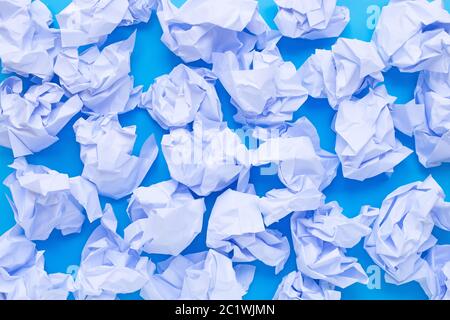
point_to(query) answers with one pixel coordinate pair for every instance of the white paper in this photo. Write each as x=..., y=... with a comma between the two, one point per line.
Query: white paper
x=108, y=265
x=30, y=122
x=295, y=148
x=337, y=74
x=365, y=137
x=106, y=152
x=165, y=218
x=403, y=232
x=265, y=89
x=28, y=44
x=236, y=227
x=321, y=238
x=413, y=35
x=226, y=25
x=207, y=159
x=438, y=258
x=206, y=275
x=85, y=22
x=296, y=286
x=427, y=118
x=101, y=78
x=311, y=19
x=44, y=200
x=175, y=99
x=22, y=274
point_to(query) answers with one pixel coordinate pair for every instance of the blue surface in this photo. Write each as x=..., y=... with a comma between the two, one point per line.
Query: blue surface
x=151, y=59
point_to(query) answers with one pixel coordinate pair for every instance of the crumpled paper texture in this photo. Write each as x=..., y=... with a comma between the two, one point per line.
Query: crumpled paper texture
x=30, y=121
x=113, y=168
x=44, y=200
x=311, y=19
x=175, y=99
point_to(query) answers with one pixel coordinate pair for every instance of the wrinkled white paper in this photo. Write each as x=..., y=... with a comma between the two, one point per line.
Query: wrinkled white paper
x=106, y=152
x=28, y=45
x=175, y=99
x=296, y=286
x=165, y=218
x=265, y=89
x=206, y=275
x=278, y=203
x=427, y=117
x=414, y=35
x=22, y=274
x=207, y=159
x=350, y=66
x=44, y=200
x=321, y=238
x=29, y=122
x=108, y=265
x=438, y=258
x=311, y=19
x=365, y=137
x=403, y=231
x=201, y=27
x=84, y=22
x=101, y=78
x=295, y=148
x=236, y=227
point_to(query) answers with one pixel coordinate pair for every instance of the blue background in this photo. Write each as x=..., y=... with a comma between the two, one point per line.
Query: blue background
x=152, y=59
